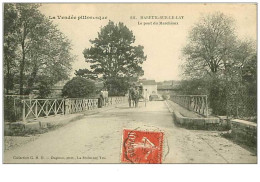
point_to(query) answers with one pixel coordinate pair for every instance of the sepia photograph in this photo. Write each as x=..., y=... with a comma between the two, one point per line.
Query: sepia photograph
x=129, y=83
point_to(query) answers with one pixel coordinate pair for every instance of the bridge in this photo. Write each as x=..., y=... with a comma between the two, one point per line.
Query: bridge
x=94, y=135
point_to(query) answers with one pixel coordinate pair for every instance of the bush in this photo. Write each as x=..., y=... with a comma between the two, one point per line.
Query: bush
x=44, y=88
x=79, y=87
x=12, y=109
x=218, y=98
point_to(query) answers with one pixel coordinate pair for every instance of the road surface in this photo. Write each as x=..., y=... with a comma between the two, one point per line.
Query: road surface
x=98, y=139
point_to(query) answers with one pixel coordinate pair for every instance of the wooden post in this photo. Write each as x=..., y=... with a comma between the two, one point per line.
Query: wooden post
x=188, y=101
x=55, y=109
x=63, y=108
x=36, y=109
x=67, y=106
x=47, y=108
x=145, y=100
x=14, y=108
x=207, y=106
x=23, y=110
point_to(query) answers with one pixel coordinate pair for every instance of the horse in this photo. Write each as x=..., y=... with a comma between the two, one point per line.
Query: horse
x=131, y=97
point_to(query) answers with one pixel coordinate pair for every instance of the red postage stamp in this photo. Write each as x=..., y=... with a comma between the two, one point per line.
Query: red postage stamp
x=142, y=147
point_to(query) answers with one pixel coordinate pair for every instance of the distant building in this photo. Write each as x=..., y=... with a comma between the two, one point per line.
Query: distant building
x=149, y=87
x=168, y=88
x=168, y=82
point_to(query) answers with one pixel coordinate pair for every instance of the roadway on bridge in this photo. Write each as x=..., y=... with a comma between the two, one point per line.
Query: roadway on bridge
x=98, y=139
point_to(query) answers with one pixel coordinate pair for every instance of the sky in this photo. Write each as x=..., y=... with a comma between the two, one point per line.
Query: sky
x=162, y=43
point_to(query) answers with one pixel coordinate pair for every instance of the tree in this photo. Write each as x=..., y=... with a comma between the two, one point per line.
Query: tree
x=41, y=50
x=49, y=57
x=28, y=20
x=117, y=87
x=79, y=87
x=192, y=87
x=217, y=57
x=210, y=47
x=241, y=80
x=10, y=46
x=113, y=55
x=44, y=88
x=85, y=73
x=208, y=55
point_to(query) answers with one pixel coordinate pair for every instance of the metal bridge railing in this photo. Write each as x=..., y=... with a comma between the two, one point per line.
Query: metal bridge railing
x=80, y=105
x=116, y=100
x=35, y=108
x=196, y=103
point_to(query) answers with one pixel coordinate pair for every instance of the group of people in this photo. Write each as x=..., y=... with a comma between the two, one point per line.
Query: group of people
x=134, y=94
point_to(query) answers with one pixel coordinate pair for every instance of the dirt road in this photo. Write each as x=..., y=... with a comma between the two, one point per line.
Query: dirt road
x=98, y=139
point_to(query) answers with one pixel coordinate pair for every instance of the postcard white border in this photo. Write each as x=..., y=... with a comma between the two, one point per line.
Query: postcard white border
x=123, y=172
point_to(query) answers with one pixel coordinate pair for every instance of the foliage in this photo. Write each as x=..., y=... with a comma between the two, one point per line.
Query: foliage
x=210, y=46
x=220, y=65
x=38, y=49
x=242, y=87
x=218, y=97
x=193, y=87
x=10, y=46
x=79, y=87
x=113, y=56
x=9, y=109
x=85, y=73
x=117, y=86
x=45, y=87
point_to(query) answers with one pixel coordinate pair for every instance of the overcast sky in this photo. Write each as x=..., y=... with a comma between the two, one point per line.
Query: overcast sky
x=162, y=43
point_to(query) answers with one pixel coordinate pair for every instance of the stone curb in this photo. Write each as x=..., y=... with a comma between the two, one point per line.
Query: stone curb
x=241, y=130
x=198, y=123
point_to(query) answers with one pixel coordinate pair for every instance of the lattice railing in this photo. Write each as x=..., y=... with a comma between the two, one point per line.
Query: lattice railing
x=34, y=108
x=115, y=100
x=80, y=105
x=196, y=103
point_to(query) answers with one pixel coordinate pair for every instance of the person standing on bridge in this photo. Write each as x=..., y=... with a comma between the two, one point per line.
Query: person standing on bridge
x=101, y=98
x=131, y=96
x=136, y=96
x=105, y=97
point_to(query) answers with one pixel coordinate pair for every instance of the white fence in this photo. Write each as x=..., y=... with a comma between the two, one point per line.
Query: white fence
x=35, y=108
x=80, y=105
x=116, y=100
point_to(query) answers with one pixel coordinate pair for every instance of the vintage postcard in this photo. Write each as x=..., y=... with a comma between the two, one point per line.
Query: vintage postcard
x=130, y=83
